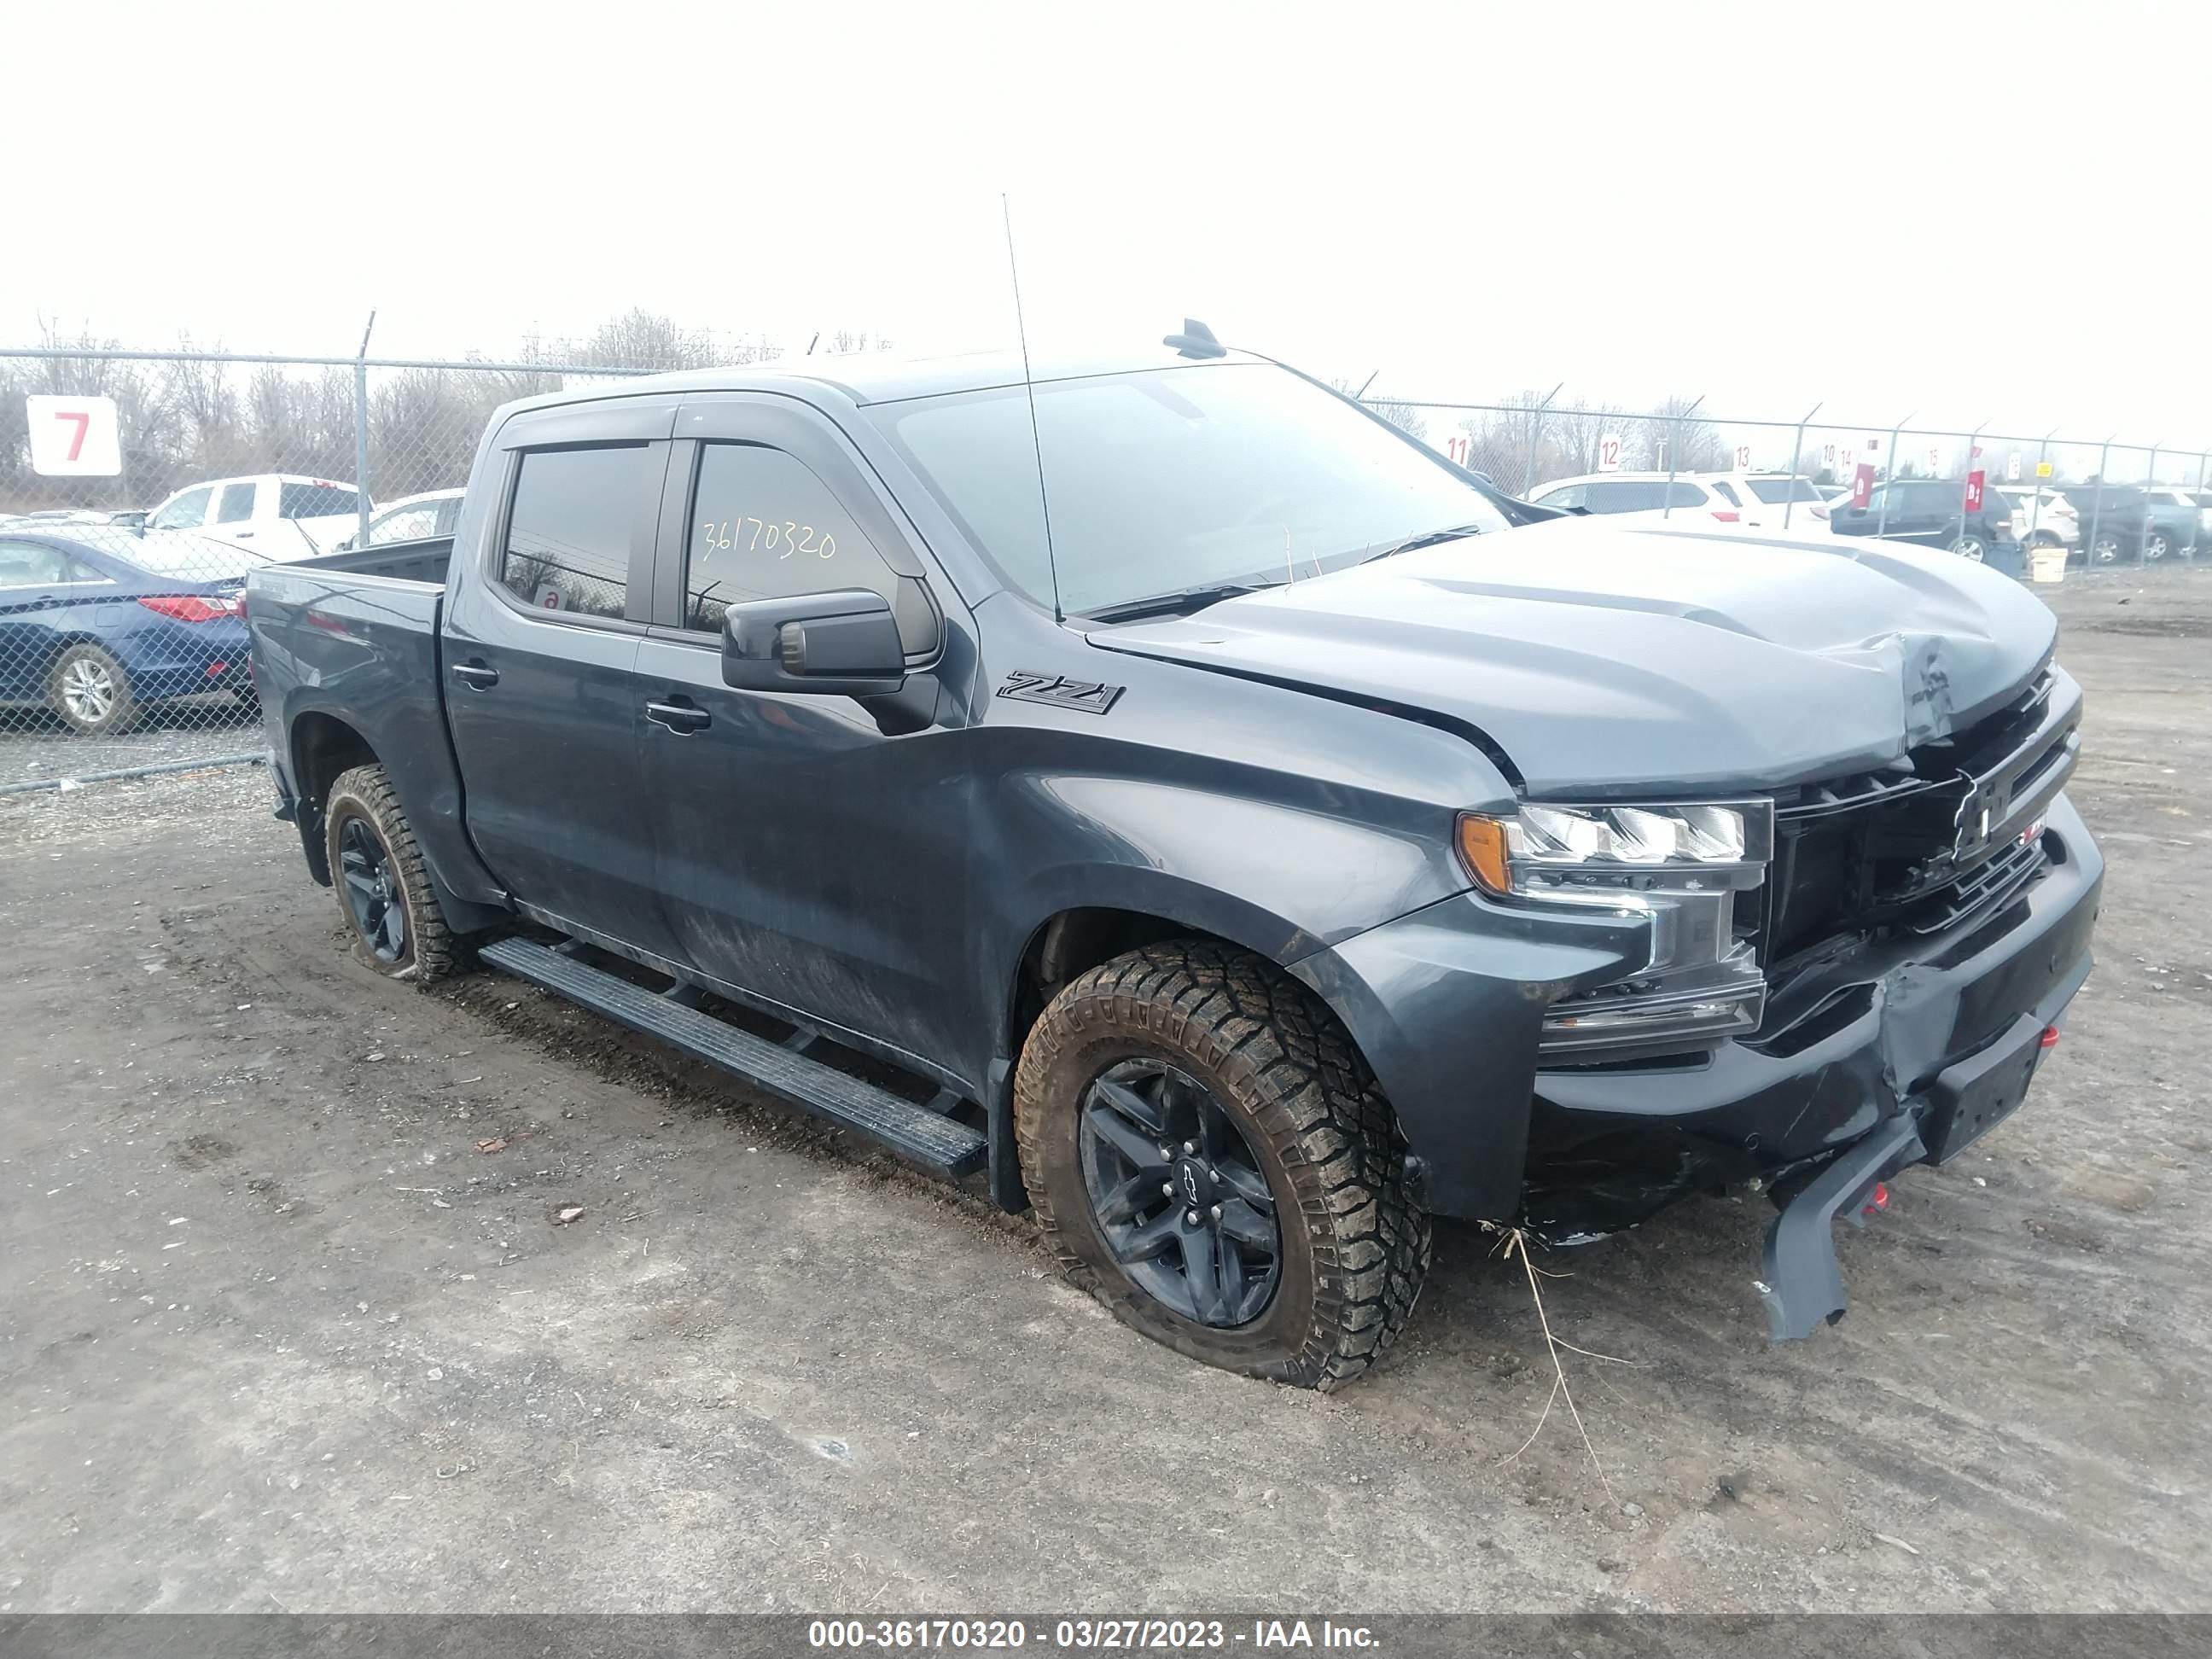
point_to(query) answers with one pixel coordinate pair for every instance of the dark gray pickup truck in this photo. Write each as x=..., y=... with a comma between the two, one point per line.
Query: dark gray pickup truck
x=1182, y=802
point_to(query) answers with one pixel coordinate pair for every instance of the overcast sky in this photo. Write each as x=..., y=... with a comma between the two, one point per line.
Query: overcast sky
x=1968, y=212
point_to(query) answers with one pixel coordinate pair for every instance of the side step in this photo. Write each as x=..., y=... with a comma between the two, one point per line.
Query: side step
x=935, y=1142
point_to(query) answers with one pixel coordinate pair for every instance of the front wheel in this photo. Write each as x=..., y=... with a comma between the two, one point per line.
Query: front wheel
x=2156, y=546
x=2106, y=548
x=1210, y=1158
x=390, y=907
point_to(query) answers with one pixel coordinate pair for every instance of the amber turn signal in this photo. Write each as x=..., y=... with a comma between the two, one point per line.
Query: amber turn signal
x=1482, y=850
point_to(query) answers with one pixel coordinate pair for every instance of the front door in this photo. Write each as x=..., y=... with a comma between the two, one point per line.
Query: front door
x=539, y=654
x=813, y=850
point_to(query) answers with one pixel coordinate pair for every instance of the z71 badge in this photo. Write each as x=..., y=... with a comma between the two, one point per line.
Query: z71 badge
x=1092, y=697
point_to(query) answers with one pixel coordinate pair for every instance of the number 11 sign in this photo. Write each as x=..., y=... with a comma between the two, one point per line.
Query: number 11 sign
x=74, y=437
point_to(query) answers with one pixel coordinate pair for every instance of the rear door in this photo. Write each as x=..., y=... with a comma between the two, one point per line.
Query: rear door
x=547, y=606
x=813, y=850
x=230, y=516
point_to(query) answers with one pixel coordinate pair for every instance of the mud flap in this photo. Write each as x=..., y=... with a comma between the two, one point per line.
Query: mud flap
x=1801, y=1281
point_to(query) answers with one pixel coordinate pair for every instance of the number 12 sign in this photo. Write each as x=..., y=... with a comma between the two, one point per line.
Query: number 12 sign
x=1608, y=452
x=74, y=437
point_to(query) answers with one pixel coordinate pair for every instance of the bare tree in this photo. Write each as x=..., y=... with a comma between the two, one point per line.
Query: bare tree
x=1671, y=436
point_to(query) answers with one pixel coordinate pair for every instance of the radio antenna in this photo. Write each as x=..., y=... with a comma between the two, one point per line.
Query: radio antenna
x=1029, y=388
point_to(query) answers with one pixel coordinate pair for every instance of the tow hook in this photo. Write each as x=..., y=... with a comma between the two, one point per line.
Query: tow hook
x=1799, y=1281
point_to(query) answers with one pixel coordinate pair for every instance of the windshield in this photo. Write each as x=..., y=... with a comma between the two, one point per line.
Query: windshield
x=1171, y=479
x=1775, y=491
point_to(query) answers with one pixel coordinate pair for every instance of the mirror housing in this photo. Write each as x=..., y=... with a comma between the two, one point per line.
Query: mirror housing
x=842, y=644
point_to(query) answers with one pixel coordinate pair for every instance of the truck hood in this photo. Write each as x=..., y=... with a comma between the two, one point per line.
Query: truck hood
x=1601, y=658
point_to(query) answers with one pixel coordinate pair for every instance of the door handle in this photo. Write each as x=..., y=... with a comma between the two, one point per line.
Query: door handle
x=477, y=675
x=681, y=718
x=243, y=535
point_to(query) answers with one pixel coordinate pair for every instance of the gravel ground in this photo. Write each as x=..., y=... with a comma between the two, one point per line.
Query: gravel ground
x=288, y=1322
x=35, y=746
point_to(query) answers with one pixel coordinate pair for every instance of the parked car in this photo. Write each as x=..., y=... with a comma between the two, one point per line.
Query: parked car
x=1931, y=511
x=1752, y=501
x=2042, y=516
x=1281, y=851
x=95, y=624
x=2134, y=522
x=410, y=519
x=2202, y=498
x=278, y=515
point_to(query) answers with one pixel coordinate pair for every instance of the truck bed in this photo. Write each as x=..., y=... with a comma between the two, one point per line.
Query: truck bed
x=422, y=560
x=347, y=657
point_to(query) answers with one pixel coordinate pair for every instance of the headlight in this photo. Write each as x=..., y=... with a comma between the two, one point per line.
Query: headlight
x=1681, y=867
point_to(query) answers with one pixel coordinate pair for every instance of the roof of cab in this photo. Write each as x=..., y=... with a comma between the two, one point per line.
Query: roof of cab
x=881, y=378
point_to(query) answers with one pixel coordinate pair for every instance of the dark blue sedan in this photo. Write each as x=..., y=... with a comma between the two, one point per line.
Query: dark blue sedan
x=95, y=624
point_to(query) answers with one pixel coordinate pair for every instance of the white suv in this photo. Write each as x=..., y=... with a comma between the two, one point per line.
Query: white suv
x=278, y=515
x=1749, y=500
x=2055, y=519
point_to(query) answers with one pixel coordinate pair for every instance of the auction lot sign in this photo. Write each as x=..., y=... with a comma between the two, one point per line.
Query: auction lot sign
x=74, y=437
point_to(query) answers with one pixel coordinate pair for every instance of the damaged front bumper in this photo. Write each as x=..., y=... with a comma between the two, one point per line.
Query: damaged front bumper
x=1900, y=1052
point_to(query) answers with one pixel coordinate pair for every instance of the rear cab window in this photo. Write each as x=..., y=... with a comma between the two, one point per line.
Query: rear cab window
x=574, y=516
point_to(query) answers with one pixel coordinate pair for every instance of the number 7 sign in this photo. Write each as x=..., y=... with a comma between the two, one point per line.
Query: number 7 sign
x=74, y=437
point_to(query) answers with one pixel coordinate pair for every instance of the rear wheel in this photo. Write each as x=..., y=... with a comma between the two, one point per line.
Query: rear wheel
x=383, y=884
x=2157, y=546
x=2106, y=548
x=1209, y=1156
x=1969, y=547
x=91, y=692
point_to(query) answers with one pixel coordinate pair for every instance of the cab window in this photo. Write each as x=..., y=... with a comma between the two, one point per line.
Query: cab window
x=763, y=527
x=575, y=514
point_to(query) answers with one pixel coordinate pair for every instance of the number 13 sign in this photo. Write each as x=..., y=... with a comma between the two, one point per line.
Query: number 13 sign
x=74, y=437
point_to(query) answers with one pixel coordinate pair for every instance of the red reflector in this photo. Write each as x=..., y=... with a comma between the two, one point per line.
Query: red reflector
x=215, y=668
x=2050, y=1038
x=1726, y=518
x=189, y=607
x=1880, y=1199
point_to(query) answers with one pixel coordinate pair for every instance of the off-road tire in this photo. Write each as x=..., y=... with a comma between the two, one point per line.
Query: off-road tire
x=123, y=707
x=1355, y=1243
x=432, y=951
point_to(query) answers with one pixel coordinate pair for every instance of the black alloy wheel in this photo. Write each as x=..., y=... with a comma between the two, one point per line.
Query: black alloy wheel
x=372, y=891
x=1178, y=1195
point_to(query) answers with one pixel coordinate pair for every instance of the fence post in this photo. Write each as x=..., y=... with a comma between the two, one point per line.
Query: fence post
x=1674, y=454
x=1536, y=440
x=1881, y=518
x=360, y=435
x=1796, y=448
x=1973, y=446
x=2097, y=502
x=2196, y=540
x=2143, y=536
x=2035, y=511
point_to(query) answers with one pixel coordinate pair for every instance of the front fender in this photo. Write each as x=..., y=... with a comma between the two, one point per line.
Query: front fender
x=1447, y=1004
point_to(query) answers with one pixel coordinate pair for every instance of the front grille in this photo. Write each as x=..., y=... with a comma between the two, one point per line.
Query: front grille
x=1926, y=845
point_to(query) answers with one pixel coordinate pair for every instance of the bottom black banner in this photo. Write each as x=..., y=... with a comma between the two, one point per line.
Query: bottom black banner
x=678, y=1636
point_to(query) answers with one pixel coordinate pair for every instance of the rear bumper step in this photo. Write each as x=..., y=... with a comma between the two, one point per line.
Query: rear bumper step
x=937, y=1143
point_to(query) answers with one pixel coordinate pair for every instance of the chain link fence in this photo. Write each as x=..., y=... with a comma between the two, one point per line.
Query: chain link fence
x=138, y=489
x=2104, y=502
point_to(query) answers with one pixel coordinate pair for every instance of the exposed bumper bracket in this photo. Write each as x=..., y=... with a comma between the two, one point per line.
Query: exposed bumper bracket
x=1801, y=1281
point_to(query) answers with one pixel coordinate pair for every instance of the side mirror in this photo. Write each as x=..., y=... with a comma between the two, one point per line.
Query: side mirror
x=843, y=644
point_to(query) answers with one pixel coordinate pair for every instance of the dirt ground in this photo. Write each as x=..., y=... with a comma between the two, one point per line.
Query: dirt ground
x=286, y=1322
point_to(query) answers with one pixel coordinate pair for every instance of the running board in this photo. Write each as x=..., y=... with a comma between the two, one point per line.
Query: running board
x=937, y=1143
